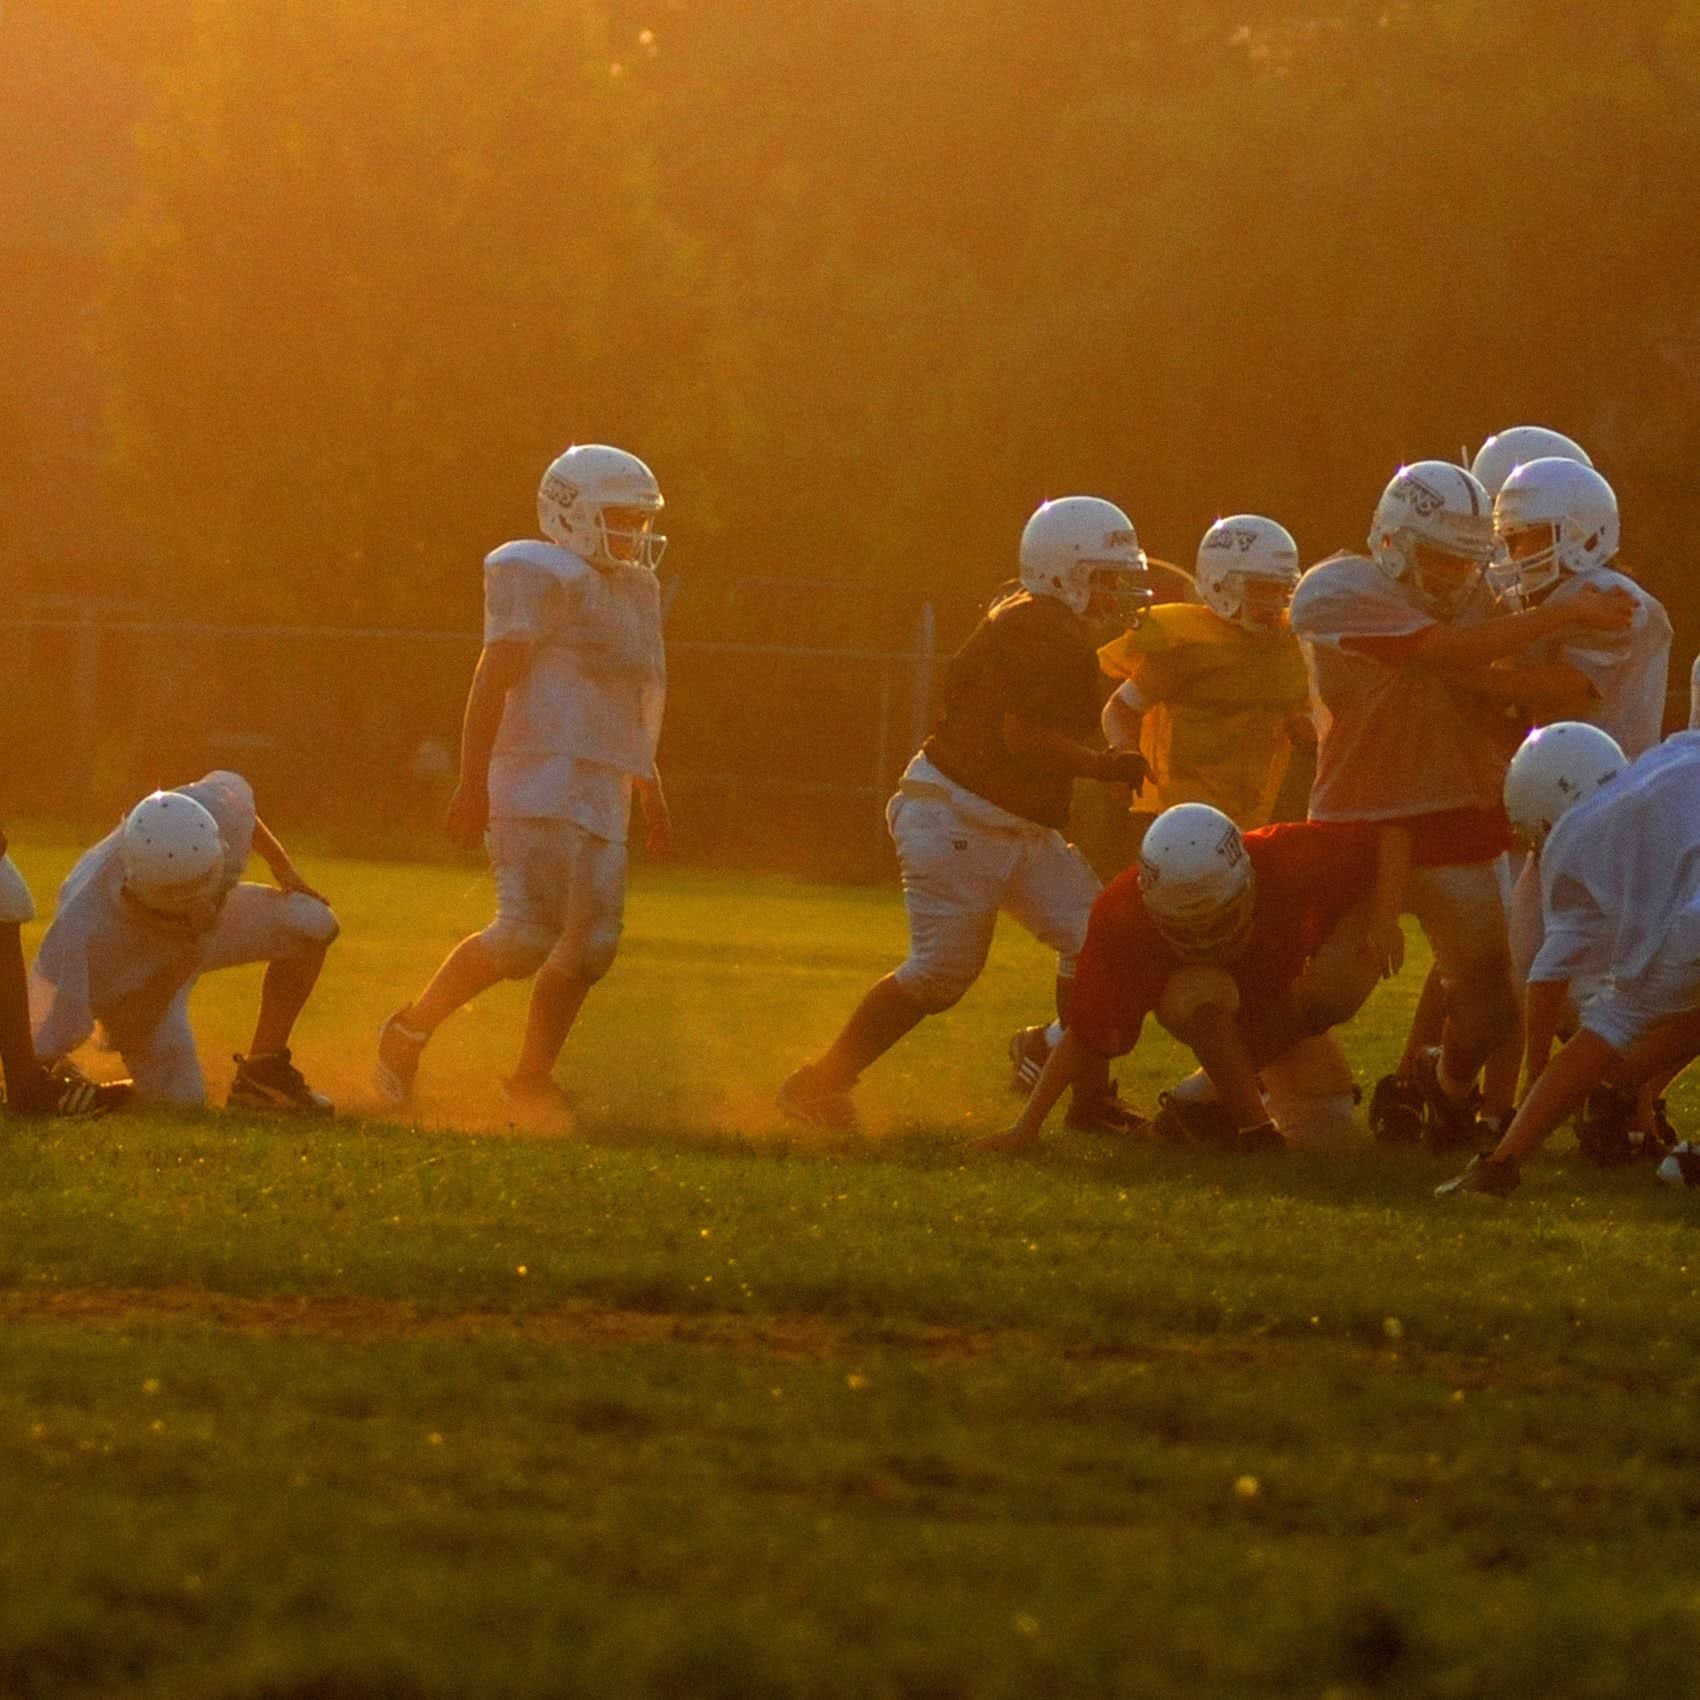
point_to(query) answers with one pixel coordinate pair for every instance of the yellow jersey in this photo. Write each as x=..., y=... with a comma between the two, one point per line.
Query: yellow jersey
x=1216, y=700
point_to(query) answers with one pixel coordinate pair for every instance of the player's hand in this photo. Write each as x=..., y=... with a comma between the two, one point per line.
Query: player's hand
x=469, y=814
x=657, y=824
x=1601, y=610
x=1384, y=945
x=289, y=878
x=1011, y=1139
x=1124, y=767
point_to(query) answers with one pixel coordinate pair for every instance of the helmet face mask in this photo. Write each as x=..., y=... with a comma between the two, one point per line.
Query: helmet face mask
x=1197, y=884
x=1554, y=517
x=1078, y=545
x=602, y=504
x=1247, y=570
x=1433, y=530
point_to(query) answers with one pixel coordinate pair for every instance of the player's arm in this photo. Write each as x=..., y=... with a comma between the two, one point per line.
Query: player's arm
x=1441, y=644
x=1556, y=691
x=657, y=817
x=1384, y=937
x=275, y=857
x=1542, y=1010
x=1054, y=1079
x=1122, y=715
x=1300, y=727
x=1024, y=737
x=501, y=665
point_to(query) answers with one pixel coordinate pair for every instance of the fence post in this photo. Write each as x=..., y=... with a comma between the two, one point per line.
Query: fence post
x=921, y=679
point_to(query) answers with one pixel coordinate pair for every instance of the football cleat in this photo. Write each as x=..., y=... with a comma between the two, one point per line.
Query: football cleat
x=274, y=1083
x=1662, y=1139
x=1104, y=1112
x=536, y=1097
x=1264, y=1140
x=399, y=1050
x=1029, y=1051
x=1396, y=1111
x=1483, y=1177
x=806, y=1096
x=1603, y=1132
x=1681, y=1166
x=67, y=1093
x=1449, y=1123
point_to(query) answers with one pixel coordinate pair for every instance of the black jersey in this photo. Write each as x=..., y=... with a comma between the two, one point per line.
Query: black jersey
x=1031, y=656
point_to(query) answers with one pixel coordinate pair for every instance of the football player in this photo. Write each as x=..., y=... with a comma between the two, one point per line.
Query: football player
x=979, y=814
x=1248, y=950
x=560, y=730
x=31, y=1090
x=1399, y=642
x=152, y=907
x=1620, y=894
x=1396, y=1104
x=1215, y=696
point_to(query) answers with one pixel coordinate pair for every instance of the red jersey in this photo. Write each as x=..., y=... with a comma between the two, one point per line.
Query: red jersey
x=1308, y=874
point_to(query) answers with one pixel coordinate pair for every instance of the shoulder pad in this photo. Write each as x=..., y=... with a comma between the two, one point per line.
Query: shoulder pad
x=539, y=557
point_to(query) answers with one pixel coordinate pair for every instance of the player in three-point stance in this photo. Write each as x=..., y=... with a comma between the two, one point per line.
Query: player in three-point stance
x=1249, y=950
x=979, y=814
x=561, y=725
x=151, y=908
x=1620, y=893
x=31, y=1089
x=1396, y=642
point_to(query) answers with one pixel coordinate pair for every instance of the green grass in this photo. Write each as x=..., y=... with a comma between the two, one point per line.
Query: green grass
x=683, y=1404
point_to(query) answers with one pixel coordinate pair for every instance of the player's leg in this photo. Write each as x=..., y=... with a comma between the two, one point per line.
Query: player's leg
x=1396, y=1102
x=1312, y=1097
x=1462, y=913
x=163, y=1061
x=952, y=873
x=1050, y=891
x=1200, y=1006
x=530, y=873
x=584, y=952
x=289, y=932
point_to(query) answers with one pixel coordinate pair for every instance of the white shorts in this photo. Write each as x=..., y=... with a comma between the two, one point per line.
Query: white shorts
x=257, y=923
x=15, y=905
x=560, y=896
x=1462, y=914
x=959, y=873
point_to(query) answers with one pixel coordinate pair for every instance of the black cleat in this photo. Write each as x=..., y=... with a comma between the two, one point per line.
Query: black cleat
x=1264, y=1140
x=1181, y=1120
x=275, y=1083
x=1603, y=1131
x=1104, y=1112
x=1483, y=1177
x=1681, y=1166
x=1396, y=1111
x=806, y=1096
x=1449, y=1123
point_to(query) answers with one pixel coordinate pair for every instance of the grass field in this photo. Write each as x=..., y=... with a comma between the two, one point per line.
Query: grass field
x=680, y=1404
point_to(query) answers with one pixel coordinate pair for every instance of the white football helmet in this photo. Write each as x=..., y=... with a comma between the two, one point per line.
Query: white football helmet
x=1555, y=768
x=172, y=854
x=1436, y=505
x=602, y=503
x=1505, y=451
x=1077, y=545
x=1196, y=880
x=1572, y=509
x=1244, y=551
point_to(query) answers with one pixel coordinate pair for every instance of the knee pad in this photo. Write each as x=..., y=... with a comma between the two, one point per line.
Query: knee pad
x=518, y=950
x=932, y=985
x=312, y=920
x=587, y=954
x=1193, y=987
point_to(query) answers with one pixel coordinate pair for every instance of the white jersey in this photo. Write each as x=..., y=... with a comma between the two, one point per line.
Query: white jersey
x=1620, y=881
x=585, y=719
x=15, y=905
x=1629, y=669
x=1393, y=740
x=106, y=959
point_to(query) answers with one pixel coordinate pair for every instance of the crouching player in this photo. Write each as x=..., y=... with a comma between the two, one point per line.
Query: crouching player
x=31, y=1090
x=1620, y=895
x=151, y=908
x=1248, y=950
x=561, y=725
